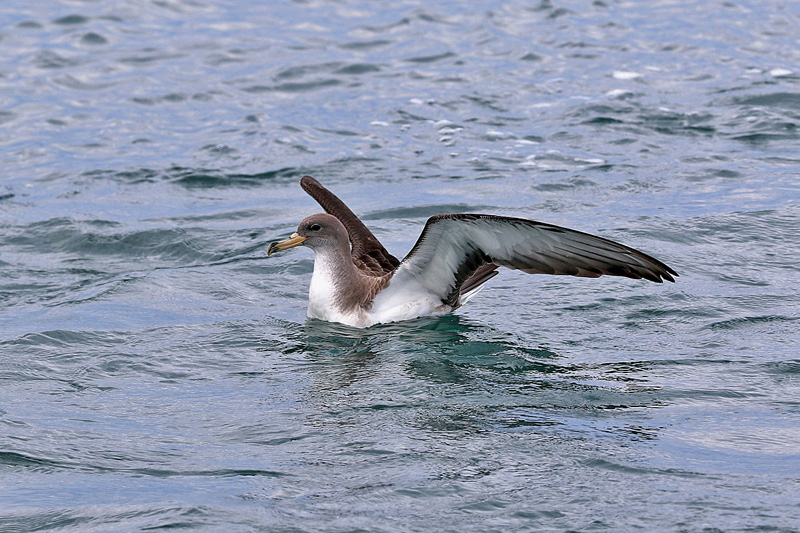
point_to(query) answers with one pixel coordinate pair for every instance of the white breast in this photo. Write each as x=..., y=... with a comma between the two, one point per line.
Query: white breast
x=322, y=297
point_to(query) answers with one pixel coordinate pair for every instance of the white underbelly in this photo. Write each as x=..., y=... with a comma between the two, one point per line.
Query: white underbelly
x=404, y=300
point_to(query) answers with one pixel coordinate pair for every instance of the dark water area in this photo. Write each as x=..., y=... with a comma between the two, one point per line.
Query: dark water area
x=157, y=370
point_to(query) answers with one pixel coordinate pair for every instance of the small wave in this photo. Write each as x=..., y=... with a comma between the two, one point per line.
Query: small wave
x=61, y=338
x=781, y=99
x=433, y=58
x=83, y=238
x=16, y=459
x=192, y=178
x=71, y=20
x=790, y=367
x=99, y=518
x=745, y=322
x=295, y=87
x=638, y=119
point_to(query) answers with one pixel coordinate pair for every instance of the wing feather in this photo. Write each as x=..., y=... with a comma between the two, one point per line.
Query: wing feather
x=452, y=248
x=367, y=251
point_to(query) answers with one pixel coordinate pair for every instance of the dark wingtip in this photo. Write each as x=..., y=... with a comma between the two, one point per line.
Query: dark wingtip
x=660, y=276
x=667, y=273
x=307, y=182
x=674, y=274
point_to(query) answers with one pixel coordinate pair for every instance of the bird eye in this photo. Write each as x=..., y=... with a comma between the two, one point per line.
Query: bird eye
x=315, y=227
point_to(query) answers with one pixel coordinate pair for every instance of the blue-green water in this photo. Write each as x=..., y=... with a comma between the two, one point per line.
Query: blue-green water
x=157, y=370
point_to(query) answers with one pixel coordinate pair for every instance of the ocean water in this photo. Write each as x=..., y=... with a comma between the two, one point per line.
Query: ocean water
x=157, y=370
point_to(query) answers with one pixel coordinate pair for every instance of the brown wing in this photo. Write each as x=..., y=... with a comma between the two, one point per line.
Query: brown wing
x=367, y=251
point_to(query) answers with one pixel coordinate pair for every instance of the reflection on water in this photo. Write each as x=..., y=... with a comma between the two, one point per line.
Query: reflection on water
x=514, y=386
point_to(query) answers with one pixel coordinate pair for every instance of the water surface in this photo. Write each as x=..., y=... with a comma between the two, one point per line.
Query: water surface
x=157, y=370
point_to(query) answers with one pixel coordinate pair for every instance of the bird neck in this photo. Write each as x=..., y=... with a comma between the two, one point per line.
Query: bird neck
x=335, y=283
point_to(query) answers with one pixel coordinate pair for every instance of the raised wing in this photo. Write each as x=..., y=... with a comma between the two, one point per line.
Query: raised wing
x=366, y=250
x=452, y=248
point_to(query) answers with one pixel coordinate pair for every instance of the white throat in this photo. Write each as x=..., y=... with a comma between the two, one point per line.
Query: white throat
x=322, y=291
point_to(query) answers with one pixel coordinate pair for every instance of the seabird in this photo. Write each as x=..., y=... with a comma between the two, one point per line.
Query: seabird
x=358, y=283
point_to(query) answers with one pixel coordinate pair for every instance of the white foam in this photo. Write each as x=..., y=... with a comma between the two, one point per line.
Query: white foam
x=625, y=75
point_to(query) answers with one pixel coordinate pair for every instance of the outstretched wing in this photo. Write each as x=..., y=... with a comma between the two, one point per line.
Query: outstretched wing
x=452, y=248
x=366, y=249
